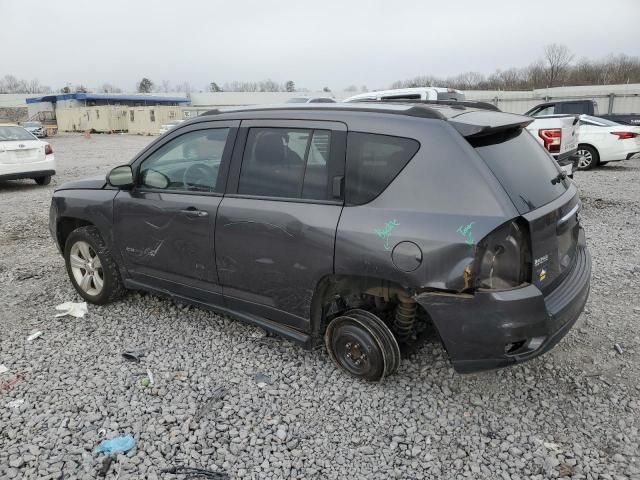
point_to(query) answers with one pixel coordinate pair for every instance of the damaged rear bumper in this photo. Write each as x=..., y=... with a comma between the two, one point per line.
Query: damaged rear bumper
x=496, y=329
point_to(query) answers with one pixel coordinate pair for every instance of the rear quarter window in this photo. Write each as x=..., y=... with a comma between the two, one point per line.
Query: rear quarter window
x=373, y=161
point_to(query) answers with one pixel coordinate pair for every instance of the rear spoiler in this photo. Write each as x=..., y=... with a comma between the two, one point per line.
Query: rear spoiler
x=481, y=123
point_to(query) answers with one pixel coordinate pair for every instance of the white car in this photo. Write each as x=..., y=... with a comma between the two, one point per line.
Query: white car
x=417, y=93
x=601, y=141
x=164, y=128
x=22, y=155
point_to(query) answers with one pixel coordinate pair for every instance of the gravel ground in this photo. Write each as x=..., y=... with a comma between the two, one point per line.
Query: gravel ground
x=572, y=413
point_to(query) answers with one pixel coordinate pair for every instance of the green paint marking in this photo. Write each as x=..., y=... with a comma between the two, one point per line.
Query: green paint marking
x=385, y=232
x=465, y=231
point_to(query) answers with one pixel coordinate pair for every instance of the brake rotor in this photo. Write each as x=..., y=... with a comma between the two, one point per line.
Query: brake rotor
x=390, y=344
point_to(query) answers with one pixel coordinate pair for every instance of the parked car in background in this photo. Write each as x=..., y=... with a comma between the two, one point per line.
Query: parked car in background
x=581, y=107
x=311, y=100
x=558, y=134
x=357, y=225
x=601, y=141
x=417, y=93
x=35, y=128
x=165, y=127
x=22, y=155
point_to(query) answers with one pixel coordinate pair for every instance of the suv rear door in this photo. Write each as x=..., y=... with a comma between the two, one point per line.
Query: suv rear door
x=276, y=226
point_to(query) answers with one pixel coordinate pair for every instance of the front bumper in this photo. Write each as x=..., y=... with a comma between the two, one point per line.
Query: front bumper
x=497, y=329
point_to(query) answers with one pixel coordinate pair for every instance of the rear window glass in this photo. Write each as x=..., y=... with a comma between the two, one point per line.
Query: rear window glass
x=9, y=133
x=373, y=161
x=525, y=170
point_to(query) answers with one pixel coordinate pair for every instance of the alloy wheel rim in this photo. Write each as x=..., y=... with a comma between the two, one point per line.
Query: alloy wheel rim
x=86, y=268
x=585, y=158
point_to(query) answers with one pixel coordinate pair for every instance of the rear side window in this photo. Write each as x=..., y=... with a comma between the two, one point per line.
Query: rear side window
x=286, y=163
x=373, y=161
x=523, y=167
x=571, y=108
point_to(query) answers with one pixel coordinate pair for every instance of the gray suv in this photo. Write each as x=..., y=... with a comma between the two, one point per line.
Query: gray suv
x=363, y=226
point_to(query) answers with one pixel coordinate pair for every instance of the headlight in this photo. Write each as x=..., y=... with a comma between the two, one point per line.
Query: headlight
x=503, y=258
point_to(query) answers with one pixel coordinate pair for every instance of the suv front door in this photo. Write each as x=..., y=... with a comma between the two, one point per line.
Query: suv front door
x=276, y=225
x=164, y=226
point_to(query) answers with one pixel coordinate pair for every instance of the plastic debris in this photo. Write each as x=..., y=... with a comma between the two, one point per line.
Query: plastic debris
x=6, y=386
x=262, y=380
x=3, y=369
x=15, y=403
x=34, y=335
x=145, y=382
x=116, y=445
x=133, y=355
x=192, y=472
x=77, y=310
x=150, y=375
x=618, y=348
x=106, y=465
x=216, y=395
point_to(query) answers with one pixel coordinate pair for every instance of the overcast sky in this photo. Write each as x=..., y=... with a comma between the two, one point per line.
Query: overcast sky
x=332, y=43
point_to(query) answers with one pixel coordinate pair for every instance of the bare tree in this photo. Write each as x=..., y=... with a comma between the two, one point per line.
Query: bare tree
x=108, y=88
x=351, y=88
x=557, y=58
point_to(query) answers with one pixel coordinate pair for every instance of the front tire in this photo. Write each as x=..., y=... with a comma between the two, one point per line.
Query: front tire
x=91, y=268
x=46, y=180
x=589, y=157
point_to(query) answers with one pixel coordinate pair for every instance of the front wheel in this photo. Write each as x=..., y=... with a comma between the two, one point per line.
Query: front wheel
x=46, y=180
x=90, y=266
x=589, y=157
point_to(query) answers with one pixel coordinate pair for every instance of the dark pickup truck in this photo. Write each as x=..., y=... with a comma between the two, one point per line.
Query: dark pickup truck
x=582, y=107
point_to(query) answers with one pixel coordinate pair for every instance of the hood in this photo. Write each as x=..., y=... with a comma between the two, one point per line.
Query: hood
x=91, y=183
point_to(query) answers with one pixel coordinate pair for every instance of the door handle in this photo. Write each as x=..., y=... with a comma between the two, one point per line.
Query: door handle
x=194, y=212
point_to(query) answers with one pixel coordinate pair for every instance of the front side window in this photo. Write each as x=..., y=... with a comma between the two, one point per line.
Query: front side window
x=190, y=162
x=286, y=163
x=373, y=161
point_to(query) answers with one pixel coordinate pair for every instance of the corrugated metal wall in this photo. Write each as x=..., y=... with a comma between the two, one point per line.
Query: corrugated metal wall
x=621, y=98
x=105, y=118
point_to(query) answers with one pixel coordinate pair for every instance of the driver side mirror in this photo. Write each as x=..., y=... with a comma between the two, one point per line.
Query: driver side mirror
x=121, y=177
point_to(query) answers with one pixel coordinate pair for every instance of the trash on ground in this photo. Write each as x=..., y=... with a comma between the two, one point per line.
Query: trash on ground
x=618, y=348
x=133, y=355
x=15, y=403
x=181, y=376
x=150, y=375
x=7, y=385
x=77, y=310
x=106, y=465
x=145, y=382
x=196, y=472
x=116, y=445
x=3, y=369
x=34, y=335
x=216, y=395
x=262, y=380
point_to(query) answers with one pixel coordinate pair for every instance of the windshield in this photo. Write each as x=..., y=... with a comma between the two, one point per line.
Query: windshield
x=298, y=100
x=8, y=134
x=529, y=175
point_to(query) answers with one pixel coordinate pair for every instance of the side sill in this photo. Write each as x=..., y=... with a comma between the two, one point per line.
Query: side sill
x=295, y=336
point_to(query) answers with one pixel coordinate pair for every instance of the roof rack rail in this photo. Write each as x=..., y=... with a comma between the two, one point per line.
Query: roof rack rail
x=451, y=103
x=413, y=111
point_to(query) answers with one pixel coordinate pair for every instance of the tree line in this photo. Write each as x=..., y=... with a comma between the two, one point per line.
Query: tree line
x=557, y=67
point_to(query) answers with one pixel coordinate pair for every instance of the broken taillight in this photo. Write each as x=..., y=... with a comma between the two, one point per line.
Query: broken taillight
x=552, y=138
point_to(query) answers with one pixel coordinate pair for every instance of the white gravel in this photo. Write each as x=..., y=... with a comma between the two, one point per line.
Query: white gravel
x=288, y=413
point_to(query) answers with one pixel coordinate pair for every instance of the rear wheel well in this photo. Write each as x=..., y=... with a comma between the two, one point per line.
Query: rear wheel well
x=66, y=225
x=337, y=293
